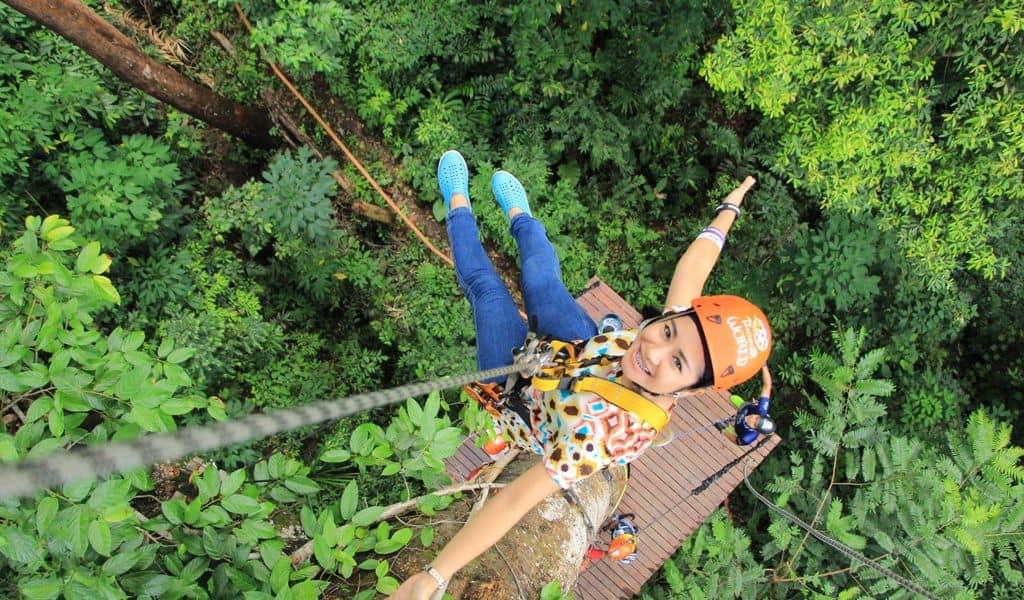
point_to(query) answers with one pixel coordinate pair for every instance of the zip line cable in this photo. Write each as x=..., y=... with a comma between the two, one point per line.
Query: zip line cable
x=841, y=547
x=29, y=476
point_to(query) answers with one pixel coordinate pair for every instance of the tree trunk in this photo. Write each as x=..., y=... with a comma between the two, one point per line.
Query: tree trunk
x=101, y=40
x=549, y=543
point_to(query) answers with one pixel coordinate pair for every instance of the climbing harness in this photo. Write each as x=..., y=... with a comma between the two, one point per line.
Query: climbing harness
x=29, y=476
x=557, y=361
x=841, y=547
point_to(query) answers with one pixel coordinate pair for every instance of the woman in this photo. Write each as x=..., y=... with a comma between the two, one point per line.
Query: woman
x=699, y=341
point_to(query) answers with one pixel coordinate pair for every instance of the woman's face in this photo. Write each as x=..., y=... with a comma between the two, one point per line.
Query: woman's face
x=667, y=356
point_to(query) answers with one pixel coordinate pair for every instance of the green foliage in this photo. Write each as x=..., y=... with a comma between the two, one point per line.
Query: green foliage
x=715, y=562
x=52, y=287
x=944, y=515
x=898, y=109
x=296, y=198
x=119, y=194
x=415, y=444
x=553, y=591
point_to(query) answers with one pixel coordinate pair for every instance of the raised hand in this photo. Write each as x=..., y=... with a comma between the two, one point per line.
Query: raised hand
x=766, y=385
x=736, y=196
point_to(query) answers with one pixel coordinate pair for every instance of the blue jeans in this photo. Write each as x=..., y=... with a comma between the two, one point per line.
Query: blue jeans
x=549, y=306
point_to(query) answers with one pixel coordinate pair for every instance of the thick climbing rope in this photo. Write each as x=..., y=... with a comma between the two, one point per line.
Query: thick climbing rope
x=29, y=476
x=841, y=547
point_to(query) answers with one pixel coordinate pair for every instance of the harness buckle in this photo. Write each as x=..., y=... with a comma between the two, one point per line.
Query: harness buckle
x=533, y=355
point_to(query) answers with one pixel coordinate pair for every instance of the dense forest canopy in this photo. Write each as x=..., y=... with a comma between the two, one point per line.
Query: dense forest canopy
x=156, y=272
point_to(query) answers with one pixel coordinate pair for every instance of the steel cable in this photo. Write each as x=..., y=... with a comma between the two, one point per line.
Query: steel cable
x=29, y=476
x=841, y=547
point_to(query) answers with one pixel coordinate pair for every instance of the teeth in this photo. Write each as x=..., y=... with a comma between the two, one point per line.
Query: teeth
x=640, y=364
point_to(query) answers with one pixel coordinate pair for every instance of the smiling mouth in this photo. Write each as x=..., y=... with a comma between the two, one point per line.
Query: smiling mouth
x=640, y=364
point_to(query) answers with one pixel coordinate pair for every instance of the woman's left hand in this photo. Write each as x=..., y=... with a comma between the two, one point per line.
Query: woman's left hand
x=420, y=586
x=766, y=385
x=736, y=196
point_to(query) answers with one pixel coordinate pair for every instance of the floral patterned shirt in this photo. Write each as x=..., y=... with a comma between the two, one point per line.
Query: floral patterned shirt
x=579, y=434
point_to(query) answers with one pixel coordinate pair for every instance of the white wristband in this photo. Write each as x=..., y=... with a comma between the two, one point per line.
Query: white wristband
x=713, y=235
x=442, y=583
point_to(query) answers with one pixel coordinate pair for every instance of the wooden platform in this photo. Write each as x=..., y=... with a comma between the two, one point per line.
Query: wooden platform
x=658, y=479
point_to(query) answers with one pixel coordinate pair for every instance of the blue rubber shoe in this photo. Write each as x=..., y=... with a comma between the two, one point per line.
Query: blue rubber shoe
x=509, y=192
x=452, y=177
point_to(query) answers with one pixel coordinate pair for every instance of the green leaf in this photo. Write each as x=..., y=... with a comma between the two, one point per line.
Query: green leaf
x=177, y=406
x=302, y=485
x=439, y=211
x=166, y=345
x=402, y=536
x=106, y=288
x=337, y=455
x=8, y=450
x=381, y=568
x=346, y=533
x=324, y=553
x=87, y=257
x=40, y=588
x=551, y=591
x=426, y=536
x=77, y=491
x=387, y=585
x=387, y=547
x=18, y=547
x=99, y=537
x=180, y=355
x=147, y=418
x=349, y=500
x=55, y=420
x=308, y=520
x=232, y=482
x=279, y=575
x=390, y=469
x=116, y=514
x=208, y=483
x=242, y=505
x=121, y=563
x=58, y=233
x=414, y=410
x=101, y=265
x=45, y=511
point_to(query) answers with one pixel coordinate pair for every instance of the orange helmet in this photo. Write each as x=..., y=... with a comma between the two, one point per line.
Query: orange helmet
x=737, y=337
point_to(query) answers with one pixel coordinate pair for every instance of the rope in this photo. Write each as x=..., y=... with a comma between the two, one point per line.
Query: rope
x=841, y=547
x=344, y=149
x=29, y=476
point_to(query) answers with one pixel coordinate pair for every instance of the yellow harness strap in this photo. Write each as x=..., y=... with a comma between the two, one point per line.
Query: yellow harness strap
x=624, y=398
x=550, y=379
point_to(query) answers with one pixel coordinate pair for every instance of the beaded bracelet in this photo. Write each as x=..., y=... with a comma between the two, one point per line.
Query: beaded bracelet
x=728, y=206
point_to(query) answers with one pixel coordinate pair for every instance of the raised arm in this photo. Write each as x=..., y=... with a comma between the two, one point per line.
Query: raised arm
x=497, y=516
x=695, y=264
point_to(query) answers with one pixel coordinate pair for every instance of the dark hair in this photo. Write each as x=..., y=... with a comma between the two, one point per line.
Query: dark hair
x=709, y=376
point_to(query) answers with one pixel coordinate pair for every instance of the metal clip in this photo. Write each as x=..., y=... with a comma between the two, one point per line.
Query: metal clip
x=533, y=355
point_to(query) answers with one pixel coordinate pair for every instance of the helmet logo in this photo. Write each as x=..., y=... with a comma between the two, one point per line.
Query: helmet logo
x=727, y=372
x=716, y=319
x=751, y=338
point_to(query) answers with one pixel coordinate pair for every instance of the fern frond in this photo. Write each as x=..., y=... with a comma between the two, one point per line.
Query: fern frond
x=869, y=363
